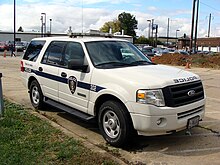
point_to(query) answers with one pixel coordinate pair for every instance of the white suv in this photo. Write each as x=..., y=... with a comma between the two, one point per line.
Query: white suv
x=114, y=82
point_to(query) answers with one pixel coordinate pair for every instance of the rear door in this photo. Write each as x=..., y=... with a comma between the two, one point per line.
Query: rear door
x=28, y=63
x=48, y=69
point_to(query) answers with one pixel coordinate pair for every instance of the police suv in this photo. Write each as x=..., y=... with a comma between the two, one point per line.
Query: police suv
x=112, y=81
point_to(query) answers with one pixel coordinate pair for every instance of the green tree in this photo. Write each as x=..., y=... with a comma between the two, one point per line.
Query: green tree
x=142, y=40
x=114, y=25
x=128, y=23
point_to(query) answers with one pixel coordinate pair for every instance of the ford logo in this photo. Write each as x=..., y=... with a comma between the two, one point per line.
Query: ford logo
x=191, y=93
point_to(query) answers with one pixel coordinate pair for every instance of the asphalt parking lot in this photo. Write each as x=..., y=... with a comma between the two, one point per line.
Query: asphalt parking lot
x=199, y=146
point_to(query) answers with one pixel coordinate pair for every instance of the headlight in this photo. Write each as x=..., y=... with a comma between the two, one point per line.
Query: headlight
x=154, y=97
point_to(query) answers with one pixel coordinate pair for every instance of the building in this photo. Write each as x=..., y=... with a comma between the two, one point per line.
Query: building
x=28, y=36
x=203, y=44
x=209, y=44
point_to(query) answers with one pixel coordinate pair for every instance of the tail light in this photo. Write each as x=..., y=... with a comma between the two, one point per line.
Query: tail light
x=22, y=66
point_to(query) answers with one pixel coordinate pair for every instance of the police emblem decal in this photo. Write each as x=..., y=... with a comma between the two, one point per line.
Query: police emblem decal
x=72, y=82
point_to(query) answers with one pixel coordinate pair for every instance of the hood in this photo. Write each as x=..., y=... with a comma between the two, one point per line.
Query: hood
x=151, y=76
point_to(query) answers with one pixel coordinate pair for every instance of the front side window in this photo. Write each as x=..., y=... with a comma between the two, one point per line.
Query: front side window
x=114, y=54
x=73, y=51
x=33, y=50
x=53, y=54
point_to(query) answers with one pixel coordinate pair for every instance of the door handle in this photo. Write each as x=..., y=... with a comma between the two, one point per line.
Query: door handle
x=40, y=69
x=63, y=74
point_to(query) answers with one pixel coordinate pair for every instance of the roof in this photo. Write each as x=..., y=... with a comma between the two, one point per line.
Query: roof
x=79, y=39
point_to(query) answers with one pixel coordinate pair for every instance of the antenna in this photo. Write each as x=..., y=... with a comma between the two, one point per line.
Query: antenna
x=82, y=16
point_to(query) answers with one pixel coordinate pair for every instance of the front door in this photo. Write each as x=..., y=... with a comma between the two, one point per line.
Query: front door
x=74, y=92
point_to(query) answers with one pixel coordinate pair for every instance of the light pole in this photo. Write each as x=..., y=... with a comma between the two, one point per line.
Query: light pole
x=50, y=25
x=44, y=24
x=168, y=30
x=176, y=37
x=14, y=26
x=149, y=28
x=152, y=31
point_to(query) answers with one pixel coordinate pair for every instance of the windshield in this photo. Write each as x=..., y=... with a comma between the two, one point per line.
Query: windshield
x=114, y=54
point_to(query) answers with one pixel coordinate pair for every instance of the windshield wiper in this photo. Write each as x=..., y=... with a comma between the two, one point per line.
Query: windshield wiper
x=141, y=62
x=113, y=64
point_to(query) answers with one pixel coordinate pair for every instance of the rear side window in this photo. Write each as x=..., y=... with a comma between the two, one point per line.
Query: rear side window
x=53, y=54
x=33, y=50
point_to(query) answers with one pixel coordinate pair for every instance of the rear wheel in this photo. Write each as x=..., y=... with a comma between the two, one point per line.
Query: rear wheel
x=115, y=123
x=36, y=95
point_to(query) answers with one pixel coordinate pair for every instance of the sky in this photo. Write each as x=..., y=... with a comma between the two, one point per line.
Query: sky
x=83, y=15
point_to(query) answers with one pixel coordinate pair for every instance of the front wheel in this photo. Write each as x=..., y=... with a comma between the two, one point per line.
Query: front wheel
x=115, y=124
x=36, y=95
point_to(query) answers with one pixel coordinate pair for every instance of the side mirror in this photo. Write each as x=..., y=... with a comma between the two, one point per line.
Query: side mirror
x=77, y=64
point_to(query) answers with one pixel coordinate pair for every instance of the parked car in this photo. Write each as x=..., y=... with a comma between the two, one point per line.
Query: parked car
x=181, y=52
x=3, y=46
x=160, y=51
x=148, y=50
x=19, y=46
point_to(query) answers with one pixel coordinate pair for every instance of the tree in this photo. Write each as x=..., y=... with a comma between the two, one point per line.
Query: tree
x=20, y=29
x=142, y=40
x=128, y=23
x=114, y=25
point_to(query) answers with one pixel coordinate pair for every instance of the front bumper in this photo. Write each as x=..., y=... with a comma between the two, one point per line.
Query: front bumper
x=172, y=119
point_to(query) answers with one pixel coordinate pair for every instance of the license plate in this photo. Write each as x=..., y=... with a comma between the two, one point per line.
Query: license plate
x=193, y=122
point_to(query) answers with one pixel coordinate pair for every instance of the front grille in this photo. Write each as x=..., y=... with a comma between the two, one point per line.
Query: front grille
x=177, y=95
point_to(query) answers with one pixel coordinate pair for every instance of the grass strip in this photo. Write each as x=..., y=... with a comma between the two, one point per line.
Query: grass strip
x=25, y=139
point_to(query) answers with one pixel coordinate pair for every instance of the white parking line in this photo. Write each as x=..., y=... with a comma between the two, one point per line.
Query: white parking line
x=213, y=112
x=210, y=121
x=192, y=150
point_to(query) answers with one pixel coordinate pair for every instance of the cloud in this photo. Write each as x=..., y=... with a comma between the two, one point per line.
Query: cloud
x=152, y=8
x=64, y=15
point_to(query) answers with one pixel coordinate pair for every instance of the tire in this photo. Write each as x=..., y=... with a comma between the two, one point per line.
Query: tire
x=115, y=123
x=36, y=95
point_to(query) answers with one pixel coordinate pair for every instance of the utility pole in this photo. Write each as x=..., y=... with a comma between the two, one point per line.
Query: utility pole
x=168, y=30
x=192, y=28
x=196, y=27
x=210, y=16
x=156, y=36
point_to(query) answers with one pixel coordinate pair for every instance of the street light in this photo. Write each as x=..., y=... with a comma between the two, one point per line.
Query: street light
x=176, y=34
x=152, y=31
x=41, y=18
x=44, y=23
x=50, y=25
x=149, y=28
x=168, y=31
x=14, y=26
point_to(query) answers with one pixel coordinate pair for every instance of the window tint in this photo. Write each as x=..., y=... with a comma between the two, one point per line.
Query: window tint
x=33, y=50
x=54, y=53
x=74, y=51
